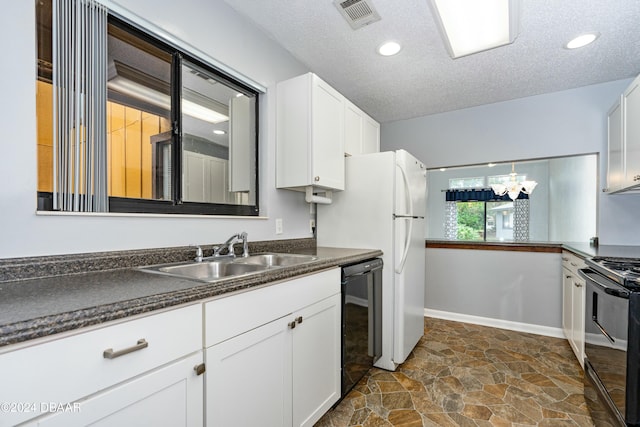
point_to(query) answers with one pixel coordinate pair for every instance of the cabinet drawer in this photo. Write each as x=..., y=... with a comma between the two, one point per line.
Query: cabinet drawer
x=230, y=316
x=572, y=262
x=70, y=368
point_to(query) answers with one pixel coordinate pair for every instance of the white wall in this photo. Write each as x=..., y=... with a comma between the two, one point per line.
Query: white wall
x=571, y=200
x=555, y=124
x=212, y=27
x=504, y=289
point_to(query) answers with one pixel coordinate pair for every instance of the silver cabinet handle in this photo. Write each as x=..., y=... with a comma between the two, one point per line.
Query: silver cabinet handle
x=292, y=325
x=299, y=319
x=574, y=264
x=577, y=285
x=636, y=178
x=316, y=179
x=110, y=354
x=565, y=258
x=568, y=276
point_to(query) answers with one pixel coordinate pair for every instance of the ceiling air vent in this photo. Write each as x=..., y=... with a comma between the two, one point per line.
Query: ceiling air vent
x=358, y=13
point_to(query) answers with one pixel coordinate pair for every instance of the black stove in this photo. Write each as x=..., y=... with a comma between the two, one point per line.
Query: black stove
x=624, y=271
x=612, y=340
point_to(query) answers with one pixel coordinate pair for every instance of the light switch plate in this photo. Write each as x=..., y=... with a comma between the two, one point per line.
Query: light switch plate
x=278, y=225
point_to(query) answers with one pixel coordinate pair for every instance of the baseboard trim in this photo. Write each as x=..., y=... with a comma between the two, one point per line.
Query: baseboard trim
x=496, y=323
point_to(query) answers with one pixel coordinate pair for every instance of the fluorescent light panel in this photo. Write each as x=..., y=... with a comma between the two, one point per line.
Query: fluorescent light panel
x=161, y=100
x=471, y=26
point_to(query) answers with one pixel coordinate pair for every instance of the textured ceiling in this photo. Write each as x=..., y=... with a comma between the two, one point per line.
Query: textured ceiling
x=422, y=79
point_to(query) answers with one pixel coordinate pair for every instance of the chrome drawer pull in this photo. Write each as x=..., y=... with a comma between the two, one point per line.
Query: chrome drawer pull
x=110, y=354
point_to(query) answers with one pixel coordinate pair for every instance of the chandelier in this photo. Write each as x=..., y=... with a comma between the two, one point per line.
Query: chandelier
x=513, y=187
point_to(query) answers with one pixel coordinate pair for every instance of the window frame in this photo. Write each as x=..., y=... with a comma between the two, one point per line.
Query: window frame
x=177, y=205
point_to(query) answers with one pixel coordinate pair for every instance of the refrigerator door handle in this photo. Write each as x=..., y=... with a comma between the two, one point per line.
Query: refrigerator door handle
x=408, y=217
x=407, y=189
x=405, y=252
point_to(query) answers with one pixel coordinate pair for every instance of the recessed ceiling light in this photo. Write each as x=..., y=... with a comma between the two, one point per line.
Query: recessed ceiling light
x=491, y=165
x=582, y=40
x=389, y=48
x=443, y=169
x=219, y=132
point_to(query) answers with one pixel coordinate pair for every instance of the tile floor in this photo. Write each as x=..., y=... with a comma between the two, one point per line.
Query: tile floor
x=468, y=375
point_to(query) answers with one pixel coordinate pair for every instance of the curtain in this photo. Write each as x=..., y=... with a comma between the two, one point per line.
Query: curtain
x=79, y=44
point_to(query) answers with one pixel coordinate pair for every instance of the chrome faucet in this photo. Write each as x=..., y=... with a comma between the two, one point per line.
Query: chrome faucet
x=240, y=237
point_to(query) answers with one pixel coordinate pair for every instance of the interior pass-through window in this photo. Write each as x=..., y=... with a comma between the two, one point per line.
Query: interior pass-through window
x=126, y=117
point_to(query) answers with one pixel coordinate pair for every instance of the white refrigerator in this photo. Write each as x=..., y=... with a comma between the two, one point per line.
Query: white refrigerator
x=383, y=207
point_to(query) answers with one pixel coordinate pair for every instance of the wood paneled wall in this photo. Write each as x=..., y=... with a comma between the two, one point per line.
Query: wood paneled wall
x=129, y=149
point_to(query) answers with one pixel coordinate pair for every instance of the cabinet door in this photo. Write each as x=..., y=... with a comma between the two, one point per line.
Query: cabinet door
x=169, y=396
x=631, y=109
x=353, y=129
x=615, y=166
x=567, y=303
x=316, y=360
x=371, y=139
x=327, y=136
x=248, y=378
x=577, y=322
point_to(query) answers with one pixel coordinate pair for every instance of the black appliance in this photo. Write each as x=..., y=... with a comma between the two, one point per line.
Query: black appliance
x=361, y=320
x=612, y=340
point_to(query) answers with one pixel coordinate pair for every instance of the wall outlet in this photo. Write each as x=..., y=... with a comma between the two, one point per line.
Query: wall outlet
x=278, y=225
x=312, y=225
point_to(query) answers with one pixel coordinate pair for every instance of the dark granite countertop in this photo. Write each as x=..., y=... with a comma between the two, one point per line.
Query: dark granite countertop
x=39, y=307
x=586, y=251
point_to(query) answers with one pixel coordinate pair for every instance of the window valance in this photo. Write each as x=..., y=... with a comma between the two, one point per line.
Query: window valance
x=478, y=195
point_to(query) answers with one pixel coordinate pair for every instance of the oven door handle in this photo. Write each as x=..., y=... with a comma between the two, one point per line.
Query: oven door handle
x=620, y=293
x=604, y=332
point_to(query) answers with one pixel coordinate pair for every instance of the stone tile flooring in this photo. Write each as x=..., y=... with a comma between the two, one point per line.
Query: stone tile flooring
x=468, y=375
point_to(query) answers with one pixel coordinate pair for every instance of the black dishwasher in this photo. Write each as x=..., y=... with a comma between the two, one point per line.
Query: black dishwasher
x=361, y=320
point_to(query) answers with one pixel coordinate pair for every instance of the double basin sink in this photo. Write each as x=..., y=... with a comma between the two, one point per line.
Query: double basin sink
x=211, y=270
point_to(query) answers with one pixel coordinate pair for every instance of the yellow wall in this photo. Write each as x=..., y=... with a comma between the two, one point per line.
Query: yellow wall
x=129, y=149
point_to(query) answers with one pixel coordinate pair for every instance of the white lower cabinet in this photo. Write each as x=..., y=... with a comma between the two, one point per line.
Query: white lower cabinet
x=281, y=368
x=315, y=359
x=134, y=372
x=573, y=303
x=170, y=396
x=248, y=379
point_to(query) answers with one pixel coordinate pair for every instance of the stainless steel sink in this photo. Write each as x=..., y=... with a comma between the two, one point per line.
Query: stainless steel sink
x=211, y=270
x=217, y=269
x=276, y=259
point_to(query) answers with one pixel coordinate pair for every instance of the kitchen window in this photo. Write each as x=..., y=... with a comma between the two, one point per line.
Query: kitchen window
x=180, y=136
x=485, y=220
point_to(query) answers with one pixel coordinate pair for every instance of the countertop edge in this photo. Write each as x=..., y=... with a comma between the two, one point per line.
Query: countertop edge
x=546, y=247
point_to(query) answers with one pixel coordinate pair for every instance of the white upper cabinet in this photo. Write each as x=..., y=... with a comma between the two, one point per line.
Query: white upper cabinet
x=309, y=134
x=623, y=171
x=371, y=140
x=631, y=102
x=362, y=133
x=615, y=165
